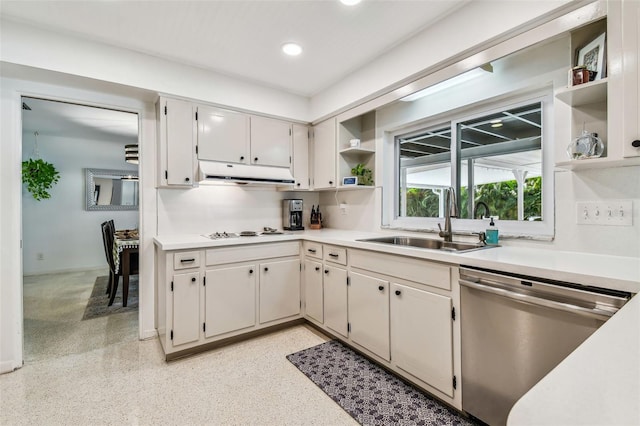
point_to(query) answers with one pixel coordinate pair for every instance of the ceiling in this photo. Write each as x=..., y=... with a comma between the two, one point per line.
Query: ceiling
x=243, y=38
x=52, y=118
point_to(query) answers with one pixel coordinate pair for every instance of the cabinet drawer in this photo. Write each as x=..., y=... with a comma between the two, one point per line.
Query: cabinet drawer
x=417, y=270
x=186, y=259
x=335, y=254
x=312, y=249
x=245, y=253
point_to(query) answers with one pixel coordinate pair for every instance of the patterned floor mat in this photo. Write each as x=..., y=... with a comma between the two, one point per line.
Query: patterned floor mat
x=367, y=392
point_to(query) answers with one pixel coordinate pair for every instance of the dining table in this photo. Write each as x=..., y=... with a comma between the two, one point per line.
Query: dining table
x=125, y=245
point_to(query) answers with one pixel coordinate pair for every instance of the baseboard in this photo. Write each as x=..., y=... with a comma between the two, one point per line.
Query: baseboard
x=7, y=367
x=64, y=271
x=149, y=334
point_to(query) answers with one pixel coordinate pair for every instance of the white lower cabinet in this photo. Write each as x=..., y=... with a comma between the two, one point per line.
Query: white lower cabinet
x=335, y=299
x=369, y=313
x=230, y=299
x=422, y=335
x=313, y=290
x=279, y=289
x=185, y=295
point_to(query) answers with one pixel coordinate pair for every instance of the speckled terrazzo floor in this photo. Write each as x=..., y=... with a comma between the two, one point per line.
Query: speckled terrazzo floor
x=128, y=382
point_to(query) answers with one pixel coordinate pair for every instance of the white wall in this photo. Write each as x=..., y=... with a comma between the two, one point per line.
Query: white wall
x=60, y=228
x=225, y=208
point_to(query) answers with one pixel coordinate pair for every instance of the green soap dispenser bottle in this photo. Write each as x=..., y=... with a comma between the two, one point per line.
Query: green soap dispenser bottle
x=492, y=233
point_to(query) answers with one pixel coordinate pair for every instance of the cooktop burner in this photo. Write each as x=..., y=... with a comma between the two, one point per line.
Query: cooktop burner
x=221, y=235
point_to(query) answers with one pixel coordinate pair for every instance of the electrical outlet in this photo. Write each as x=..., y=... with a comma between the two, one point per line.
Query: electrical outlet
x=343, y=208
x=605, y=212
x=40, y=256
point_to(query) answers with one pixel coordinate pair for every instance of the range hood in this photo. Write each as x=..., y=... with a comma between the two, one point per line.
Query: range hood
x=212, y=171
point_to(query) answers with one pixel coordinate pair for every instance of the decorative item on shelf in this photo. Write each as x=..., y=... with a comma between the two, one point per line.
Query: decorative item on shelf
x=354, y=143
x=315, y=221
x=587, y=145
x=349, y=180
x=579, y=75
x=39, y=175
x=592, y=57
x=131, y=153
x=364, y=175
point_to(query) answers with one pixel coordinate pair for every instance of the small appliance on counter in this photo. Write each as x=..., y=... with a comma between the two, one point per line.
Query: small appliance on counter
x=292, y=215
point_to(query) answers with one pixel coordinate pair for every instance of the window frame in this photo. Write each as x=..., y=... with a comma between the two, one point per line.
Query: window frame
x=541, y=230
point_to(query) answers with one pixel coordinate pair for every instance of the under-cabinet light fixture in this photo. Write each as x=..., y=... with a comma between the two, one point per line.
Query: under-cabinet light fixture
x=453, y=81
x=350, y=2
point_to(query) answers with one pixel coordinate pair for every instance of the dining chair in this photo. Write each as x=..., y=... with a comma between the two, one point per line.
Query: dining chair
x=107, y=238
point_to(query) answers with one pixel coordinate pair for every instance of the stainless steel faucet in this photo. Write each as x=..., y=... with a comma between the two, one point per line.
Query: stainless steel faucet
x=450, y=210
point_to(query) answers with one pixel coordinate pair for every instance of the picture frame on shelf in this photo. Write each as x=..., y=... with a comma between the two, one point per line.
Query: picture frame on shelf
x=593, y=56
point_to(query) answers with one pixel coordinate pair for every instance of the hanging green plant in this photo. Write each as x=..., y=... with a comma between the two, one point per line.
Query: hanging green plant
x=40, y=177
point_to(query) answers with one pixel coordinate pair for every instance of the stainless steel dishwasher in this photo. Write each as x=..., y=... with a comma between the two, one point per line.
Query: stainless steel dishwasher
x=515, y=329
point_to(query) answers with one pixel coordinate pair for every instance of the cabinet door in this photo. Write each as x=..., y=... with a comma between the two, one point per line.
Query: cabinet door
x=301, y=156
x=279, y=289
x=422, y=336
x=178, y=121
x=313, y=292
x=270, y=142
x=369, y=313
x=335, y=299
x=324, y=154
x=223, y=135
x=631, y=75
x=230, y=299
x=186, y=308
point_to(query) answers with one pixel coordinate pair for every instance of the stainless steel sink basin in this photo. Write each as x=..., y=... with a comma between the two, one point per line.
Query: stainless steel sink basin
x=426, y=243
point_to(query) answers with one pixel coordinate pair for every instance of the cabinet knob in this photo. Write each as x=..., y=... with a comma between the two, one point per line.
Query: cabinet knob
x=251, y=271
x=636, y=143
x=266, y=269
x=330, y=182
x=193, y=279
x=255, y=159
x=298, y=184
x=380, y=287
x=317, y=268
x=242, y=158
x=398, y=292
x=187, y=179
x=326, y=271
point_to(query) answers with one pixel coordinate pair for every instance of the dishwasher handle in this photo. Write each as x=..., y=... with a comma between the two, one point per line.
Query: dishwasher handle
x=525, y=298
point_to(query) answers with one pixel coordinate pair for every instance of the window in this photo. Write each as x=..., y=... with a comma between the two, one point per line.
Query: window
x=491, y=155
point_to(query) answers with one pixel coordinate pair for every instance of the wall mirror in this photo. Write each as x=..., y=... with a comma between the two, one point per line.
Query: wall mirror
x=111, y=189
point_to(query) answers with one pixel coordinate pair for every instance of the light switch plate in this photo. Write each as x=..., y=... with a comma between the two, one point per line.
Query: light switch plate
x=605, y=212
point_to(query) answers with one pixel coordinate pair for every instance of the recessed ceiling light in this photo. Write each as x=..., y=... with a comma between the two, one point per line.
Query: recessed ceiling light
x=292, y=49
x=350, y=2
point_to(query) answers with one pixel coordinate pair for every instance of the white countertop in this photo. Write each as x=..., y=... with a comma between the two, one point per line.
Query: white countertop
x=613, y=272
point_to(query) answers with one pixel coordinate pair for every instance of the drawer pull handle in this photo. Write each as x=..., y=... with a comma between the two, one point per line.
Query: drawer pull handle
x=311, y=250
x=187, y=260
x=333, y=255
x=193, y=279
x=380, y=287
x=398, y=292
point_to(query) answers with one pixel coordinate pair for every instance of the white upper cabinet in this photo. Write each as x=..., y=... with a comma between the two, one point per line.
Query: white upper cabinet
x=176, y=137
x=270, y=142
x=223, y=135
x=324, y=155
x=301, y=156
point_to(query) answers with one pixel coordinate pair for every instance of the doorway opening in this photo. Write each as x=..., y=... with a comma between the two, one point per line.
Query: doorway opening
x=64, y=258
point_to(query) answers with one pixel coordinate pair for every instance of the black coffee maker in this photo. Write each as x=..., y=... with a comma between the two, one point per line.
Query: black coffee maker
x=292, y=215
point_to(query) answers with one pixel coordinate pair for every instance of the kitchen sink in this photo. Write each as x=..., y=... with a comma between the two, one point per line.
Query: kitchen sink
x=426, y=243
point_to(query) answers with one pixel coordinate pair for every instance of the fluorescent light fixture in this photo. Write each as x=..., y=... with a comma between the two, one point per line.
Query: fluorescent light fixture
x=350, y=2
x=447, y=84
x=292, y=49
x=496, y=125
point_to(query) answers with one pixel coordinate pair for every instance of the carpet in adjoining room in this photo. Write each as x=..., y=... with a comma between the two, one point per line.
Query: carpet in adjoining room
x=370, y=394
x=97, y=306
